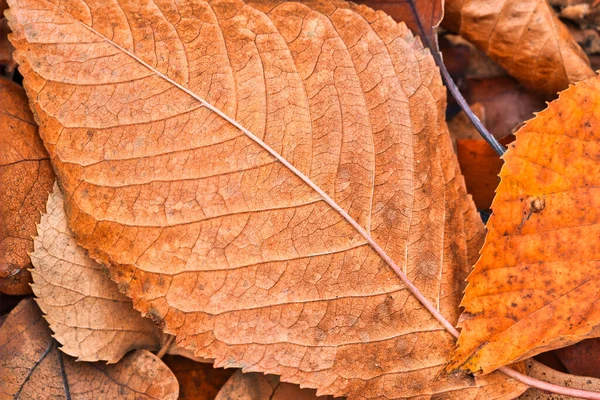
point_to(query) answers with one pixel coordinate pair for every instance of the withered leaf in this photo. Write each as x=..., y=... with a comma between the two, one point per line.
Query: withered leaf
x=255, y=386
x=233, y=165
x=90, y=318
x=26, y=177
x=525, y=37
x=535, y=286
x=32, y=367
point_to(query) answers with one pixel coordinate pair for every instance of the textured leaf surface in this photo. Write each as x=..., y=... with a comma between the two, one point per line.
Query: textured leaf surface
x=32, y=367
x=26, y=178
x=255, y=386
x=525, y=37
x=207, y=229
x=90, y=318
x=535, y=287
x=85, y=310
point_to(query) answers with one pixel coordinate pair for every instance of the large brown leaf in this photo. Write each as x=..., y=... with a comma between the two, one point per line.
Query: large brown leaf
x=535, y=287
x=233, y=165
x=32, y=367
x=26, y=177
x=90, y=318
x=525, y=37
x=540, y=371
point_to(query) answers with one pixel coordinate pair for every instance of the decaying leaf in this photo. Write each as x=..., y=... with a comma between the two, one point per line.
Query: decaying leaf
x=7, y=64
x=525, y=37
x=32, y=367
x=540, y=371
x=26, y=177
x=535, y=287
x=197, y=381
x=233, y=165
x=90, y=318
x=256, y=386
x=581, y=358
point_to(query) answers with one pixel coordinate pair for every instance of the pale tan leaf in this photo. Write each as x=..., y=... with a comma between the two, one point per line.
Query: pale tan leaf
x=32, y=367
x=88, y=315
x=85, y=310
x=240, y=167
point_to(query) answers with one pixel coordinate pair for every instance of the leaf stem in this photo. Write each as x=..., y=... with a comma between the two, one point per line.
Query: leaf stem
x=485, y=134
x=165, y=347
x=413, y=289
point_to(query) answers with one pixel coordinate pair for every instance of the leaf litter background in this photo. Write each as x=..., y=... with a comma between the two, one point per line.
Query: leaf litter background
x=436, y=128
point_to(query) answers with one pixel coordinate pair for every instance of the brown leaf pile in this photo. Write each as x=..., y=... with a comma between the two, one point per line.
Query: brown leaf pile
x=218, y=240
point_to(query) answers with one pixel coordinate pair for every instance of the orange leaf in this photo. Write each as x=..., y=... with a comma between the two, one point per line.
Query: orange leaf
x=525, y=37
x=32, y=367
x=26, y=177
x=535, y=286
x=197, y=381
x=239, y=169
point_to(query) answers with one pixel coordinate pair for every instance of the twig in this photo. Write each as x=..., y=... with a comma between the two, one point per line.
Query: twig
x=487, y=136
x=165, y=347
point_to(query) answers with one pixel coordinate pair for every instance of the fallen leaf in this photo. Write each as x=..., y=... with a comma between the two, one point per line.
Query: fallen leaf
x=32, y=367
x=90, y=318
x=255, y=386
x=197, y=381
x=506, y=103
x=534, y=288
x=581, y=358
x=540, y=371
x=26, y=177
x=256, y=253
x=525, y=37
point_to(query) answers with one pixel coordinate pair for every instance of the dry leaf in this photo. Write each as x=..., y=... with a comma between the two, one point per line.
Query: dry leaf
x=90, y=318
x=197, y=381
x=462, y=128
x=7, y=64
x=255, y=386
x=581, y=358
x=32, y=367
x=525, y=37
x=26, y=177
x=535, y=286
x=212, y=233
x=540, y=371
